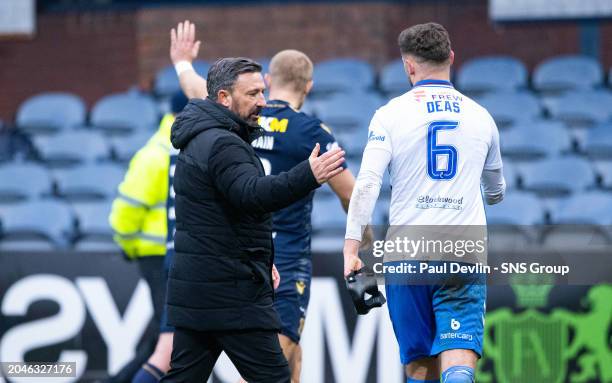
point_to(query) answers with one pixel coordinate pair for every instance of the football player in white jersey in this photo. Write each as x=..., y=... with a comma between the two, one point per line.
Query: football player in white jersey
x=440, y=148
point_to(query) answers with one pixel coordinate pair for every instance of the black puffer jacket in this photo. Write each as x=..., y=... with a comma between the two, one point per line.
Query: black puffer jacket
x=220, y=276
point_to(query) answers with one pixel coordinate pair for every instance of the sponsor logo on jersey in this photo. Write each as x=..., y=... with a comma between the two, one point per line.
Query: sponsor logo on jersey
x=273, y=124
x=374, y=137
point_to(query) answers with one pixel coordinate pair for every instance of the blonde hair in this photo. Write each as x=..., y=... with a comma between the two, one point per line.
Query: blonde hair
x=291, y=68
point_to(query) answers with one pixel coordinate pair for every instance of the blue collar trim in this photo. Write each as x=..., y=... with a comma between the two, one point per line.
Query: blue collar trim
x=434, y=82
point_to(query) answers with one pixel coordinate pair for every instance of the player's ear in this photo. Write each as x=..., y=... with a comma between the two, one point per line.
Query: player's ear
x=309, y=85
x=451, y=57
x=224, y=98
x=268, y=79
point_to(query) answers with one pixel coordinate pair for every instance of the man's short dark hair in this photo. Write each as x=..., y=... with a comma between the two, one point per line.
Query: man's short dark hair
x=224, y=72
x=428, y=42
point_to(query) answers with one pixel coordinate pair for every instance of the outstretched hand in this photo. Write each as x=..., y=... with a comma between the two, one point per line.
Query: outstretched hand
x=327, y=165
x=183, y=45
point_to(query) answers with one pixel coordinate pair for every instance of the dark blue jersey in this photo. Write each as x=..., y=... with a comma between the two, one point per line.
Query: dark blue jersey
x=288, y=140
x=170, y=202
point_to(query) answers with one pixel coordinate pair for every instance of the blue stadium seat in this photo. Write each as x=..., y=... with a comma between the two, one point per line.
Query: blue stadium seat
x=23, y=181
x=593, y=208
x=508, y=108
x=51, y=112
x=342, y=75
x=71, y=148
x=393, y=79
x=327, y=215
x=89, y=182
x=582, y=108
x=558, y=176
x=598, y=142
x=517, y=208
x=604, y=169
x=309, y=107
x=51, y=220
x=123, y=113
x=26, y=245
x=492, y=73
x=567, y=72
x=531, y=140
x=265, y=64
x=381, y=211
x=166, y=80
x=510, y=175
x=125, y=147
x=328, y=224
x=352, y=143
x=93, y=230
x=349, y=111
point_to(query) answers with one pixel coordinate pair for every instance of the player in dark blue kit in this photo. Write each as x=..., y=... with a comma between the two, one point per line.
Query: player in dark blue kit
x=288, y=139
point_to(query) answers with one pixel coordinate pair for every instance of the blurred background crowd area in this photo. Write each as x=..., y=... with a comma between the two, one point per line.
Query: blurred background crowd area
x=86, y=85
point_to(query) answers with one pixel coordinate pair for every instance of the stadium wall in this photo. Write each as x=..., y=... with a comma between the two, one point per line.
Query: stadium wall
x=96, y=53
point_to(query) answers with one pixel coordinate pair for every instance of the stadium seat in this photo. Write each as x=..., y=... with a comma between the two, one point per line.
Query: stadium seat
x=327, y=215
x=342, y=75
x=89, y=182
x=393, y=79
x=166, y=80
x=558, y=176
x=510, y=175
x=514, y=223
x=591, y=208
x=328, y=224
x=352, y=143
x=51, y=220
x=93, y=230
x=380, y=217
x=125, y=147
x=349, y=111
x=508, y=108
x=582, y=108
x=71, y=148
x=492, y=73
x=265, y=64
x=29, y=245
x=51, y=112
x=581, y=221
x=598, y=142
x=605, y=171
x=567, y=72
x=23, y=181
x=532, y=140
x=517, y=208
x=123, y=113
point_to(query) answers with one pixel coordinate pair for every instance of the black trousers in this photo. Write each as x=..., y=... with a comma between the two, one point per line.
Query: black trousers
x=152, y=270
x=256, y=354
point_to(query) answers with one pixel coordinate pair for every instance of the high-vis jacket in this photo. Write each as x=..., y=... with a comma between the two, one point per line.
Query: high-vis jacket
x=138, y=215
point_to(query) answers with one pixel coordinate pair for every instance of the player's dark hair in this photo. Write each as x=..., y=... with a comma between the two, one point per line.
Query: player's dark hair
x=429, y=42
x=223, y=73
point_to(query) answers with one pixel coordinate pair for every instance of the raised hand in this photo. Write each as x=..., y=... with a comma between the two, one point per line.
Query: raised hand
x=183, y=45
x=327, y=165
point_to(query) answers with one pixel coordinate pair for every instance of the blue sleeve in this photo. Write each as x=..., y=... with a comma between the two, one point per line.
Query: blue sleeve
x=319, y=132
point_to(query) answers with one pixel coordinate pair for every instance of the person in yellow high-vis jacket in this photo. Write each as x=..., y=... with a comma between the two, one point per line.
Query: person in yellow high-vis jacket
x=138, y=216
x=139, y=220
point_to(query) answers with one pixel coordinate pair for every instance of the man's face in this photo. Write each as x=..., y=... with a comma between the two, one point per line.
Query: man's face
x=247, y=98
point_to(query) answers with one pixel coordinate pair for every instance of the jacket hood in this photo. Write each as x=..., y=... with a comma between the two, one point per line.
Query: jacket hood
x=203, y=114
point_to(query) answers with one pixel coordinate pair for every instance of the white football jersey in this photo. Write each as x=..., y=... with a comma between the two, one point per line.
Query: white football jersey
x=440, y=141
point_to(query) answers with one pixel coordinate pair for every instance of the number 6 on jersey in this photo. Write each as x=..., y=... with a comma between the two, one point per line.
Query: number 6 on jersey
x=434, y=151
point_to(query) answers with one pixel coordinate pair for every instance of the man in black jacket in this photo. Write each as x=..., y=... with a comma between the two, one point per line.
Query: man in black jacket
x=220, y=288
